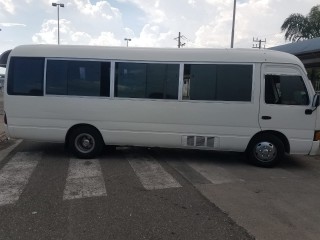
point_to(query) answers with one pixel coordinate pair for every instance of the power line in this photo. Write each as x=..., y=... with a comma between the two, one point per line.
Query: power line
x=258, y=43
x=180, y=44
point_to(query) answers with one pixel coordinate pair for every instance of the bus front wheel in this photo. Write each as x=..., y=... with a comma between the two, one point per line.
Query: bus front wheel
x=266, y=150
x=85, y=142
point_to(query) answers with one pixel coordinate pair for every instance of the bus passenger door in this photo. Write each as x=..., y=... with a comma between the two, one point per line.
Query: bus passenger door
x=286, y=93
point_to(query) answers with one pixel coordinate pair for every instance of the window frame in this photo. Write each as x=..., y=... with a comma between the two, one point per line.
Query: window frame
x=181, y=65
x=11, y=72
x=287, y=69
x=75, y=59
x=223, y=63
x=145, y=62
x=286, y=75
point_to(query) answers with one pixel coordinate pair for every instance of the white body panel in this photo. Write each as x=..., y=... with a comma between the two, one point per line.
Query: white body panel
x=134, y=122
x=161, y=123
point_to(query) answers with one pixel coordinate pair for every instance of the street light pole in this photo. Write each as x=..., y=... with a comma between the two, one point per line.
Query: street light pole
x=128, y=40
x=233, y=22
x=58, y=5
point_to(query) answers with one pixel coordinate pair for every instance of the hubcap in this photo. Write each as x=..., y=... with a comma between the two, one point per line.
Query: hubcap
x=84, y=143
x=265, y=151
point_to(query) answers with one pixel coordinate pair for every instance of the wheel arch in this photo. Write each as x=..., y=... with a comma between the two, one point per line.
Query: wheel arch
x=279, y=135
x=79, y=125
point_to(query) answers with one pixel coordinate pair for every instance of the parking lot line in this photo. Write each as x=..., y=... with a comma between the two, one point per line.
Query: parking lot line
x=150, y=172
x=84, y=180
x=15, y=175
x=215, y=174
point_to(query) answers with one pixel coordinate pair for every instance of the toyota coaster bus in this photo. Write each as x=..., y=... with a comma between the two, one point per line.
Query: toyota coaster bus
x=246, y=100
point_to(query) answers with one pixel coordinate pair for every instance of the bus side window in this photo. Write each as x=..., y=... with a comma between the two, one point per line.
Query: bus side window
x=78, y=78
x=146, y=80
x=26, y=76
x=285, y=90
x=217, y=82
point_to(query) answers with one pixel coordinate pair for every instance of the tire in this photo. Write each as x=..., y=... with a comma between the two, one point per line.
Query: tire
x=265, y=151
x=85, y=142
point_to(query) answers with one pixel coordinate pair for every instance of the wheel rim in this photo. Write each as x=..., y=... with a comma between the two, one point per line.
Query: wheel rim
x=84, y=143
x=265, y=151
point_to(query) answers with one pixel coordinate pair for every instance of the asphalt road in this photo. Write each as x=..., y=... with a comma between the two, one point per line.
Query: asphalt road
x=127, y=210
x=141, y=193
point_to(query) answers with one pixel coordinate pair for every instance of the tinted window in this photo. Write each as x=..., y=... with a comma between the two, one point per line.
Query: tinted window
x=26, y=76
x=285, y=90
x=220, y=82
x=80, y=78
x=147, y=80
x=56, y=79
x=130, y=80
x=203, y=81
x=234, y=82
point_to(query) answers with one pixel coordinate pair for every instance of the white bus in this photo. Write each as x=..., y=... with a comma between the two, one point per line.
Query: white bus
x=255, y=101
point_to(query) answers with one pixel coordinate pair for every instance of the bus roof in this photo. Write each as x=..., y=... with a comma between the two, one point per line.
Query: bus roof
x=156, y=54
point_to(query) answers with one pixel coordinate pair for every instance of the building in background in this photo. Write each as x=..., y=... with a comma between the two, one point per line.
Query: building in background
x=308, y=51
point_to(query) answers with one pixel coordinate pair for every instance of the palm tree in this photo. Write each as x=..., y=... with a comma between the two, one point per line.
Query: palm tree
x=299, y=27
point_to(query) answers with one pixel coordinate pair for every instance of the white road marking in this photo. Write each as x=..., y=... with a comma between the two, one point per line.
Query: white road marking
x=15, y=175
x=5, y=152
x=151, y=173
x=214, y=173
x=84, y=180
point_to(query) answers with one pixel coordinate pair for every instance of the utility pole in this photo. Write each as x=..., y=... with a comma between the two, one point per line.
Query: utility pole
x=233, y=22
x=258, y=43
x=58, y=5
x=127, y=40
x=180, y=44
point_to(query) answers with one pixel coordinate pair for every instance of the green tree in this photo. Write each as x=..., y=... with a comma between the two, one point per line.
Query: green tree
x=298, y=27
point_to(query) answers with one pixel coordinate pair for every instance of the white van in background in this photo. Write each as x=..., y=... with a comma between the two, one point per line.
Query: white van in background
x=255, y=101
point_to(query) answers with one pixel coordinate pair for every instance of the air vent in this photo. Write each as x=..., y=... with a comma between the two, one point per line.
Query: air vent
x=210, y=142
x=200, y=141
x=190, y=141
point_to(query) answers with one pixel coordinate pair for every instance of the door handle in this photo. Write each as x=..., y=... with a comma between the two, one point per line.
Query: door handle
x=266, y=117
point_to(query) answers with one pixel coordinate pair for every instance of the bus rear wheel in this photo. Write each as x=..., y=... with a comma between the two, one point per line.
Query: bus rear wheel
x=265, y=151
x=85, y=142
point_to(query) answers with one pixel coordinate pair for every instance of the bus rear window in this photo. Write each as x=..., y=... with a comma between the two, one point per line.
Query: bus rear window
x=26, y=76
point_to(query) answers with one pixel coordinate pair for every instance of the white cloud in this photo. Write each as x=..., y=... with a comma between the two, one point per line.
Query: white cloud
x=105, y=39
x=101, y=8
x=12, y=25
x=7, y=5
x=48, y=32
x=80, y=36
x=151, y=36
x=69, y=35
x=192, y=2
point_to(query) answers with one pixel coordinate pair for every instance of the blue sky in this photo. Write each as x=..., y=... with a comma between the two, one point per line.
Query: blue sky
x=150, y=23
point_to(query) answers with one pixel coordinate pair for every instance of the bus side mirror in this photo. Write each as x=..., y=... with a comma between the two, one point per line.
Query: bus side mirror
x=316, y=100
x=315, y=104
